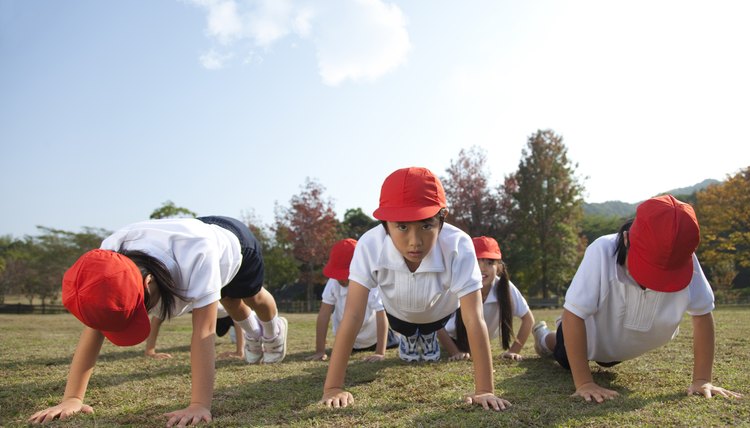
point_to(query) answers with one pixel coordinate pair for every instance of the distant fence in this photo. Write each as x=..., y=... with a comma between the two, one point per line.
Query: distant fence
x=21, y=308
x=550, y=303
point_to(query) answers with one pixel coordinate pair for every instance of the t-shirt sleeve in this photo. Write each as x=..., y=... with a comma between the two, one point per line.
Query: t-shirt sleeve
x=520, y=306
x=361, y=268
x=466, y=276
x=583, y=295
x=701, y=297
x=374, y=302
x=328, y=296
x=201, y=267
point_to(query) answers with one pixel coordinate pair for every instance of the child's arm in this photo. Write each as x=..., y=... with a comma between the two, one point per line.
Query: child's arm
x=514, y=352
x=151, y=341
x=381, y=321
x=479, y=342
x=574, y=329
x=454, y=354
x=703, y=354
x=321, y=330
x=202, y=360
x=84, y=359
x=333, y=390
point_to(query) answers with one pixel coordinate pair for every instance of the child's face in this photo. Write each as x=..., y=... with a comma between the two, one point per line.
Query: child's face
x=490, y=268
x=414, y=239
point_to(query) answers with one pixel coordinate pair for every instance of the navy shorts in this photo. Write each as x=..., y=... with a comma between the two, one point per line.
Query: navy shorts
x=249, y=279
x=561, y=356
x=410, y=329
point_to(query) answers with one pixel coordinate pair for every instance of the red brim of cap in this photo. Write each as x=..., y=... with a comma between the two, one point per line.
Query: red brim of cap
x=659, y=279
x=488, y=255
x=136, y=332
x=336, y=273
x=403, y=214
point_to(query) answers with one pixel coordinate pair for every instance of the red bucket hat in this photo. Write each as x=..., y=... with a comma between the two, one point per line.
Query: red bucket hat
x=487, y=248
x=104, y=290
x=339, y=260
x=410, y=194
x=663, y=238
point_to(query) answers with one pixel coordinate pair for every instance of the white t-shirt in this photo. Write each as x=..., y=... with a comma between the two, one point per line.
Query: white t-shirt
x=447, y=273
x=334, y=294
x=491, y=308
x=622, y=320
x=202, y=258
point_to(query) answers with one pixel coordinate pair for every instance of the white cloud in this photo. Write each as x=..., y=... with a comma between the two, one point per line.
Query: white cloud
x=213, y=60
x=357, y=40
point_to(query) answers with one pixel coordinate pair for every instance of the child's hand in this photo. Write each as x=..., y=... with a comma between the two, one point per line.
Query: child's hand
x=511, y=356
x=67, y=408
x=232, y=354
x=459, y=356
x=319, y=356
x=708, y=390
x=337, y=398
x=191, y=415
x=374, y=358
x=487, y=401
x=157, y=355
x=591, y=391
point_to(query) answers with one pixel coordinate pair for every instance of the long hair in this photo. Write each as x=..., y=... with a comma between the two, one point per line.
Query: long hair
x=622, y=250
x=502, y=293
x=168, y=290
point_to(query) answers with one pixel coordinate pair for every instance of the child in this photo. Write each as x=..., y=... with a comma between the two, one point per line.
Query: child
x=629, y=295
x=374, y=332
x=423, y=268
x=178, y=264
x=502, y=301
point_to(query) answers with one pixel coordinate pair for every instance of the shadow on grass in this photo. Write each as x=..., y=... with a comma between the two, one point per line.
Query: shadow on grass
x=118, y=354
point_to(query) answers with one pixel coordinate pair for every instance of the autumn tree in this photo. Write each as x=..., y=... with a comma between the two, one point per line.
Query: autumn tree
x=472, y=203
x=547, y=209
x=723, y=214
x=169, y=210
x=356, y=223
x=281, y=268
x=310, y=225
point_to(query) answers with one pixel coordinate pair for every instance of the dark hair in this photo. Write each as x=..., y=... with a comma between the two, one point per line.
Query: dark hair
x=502, y=293
x=622, y=250
x=440, y=216
x=168, y=290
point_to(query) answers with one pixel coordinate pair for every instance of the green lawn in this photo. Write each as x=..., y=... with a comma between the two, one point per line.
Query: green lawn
x=129, y=389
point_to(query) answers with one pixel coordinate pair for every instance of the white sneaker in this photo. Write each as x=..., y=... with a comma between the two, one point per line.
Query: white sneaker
x=253, y=350
x=408, y=348
x=274, y=350
x=540, y=332
x=430, y=346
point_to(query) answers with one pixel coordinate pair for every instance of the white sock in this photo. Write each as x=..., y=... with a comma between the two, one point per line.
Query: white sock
x=250, y=326
x=269, y=326
x=543, y=343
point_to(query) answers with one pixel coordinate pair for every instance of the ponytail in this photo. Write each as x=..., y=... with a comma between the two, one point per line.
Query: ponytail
x=622, y=250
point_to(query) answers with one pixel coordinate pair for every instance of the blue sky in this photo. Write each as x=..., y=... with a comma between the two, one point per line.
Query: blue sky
x=108, y=109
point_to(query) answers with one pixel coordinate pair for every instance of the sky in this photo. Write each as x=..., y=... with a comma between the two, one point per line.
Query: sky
x=109, y=109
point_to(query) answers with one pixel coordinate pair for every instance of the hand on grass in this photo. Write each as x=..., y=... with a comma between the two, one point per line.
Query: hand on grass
x=591, y=391
x=232, y=354
x=459, y=356
x=337, y=398
x=318, y=356
x=374, y=358
x=157, y=355
x=708, y=390
x=487, y=401
x=191, y=415
x=511, y=356
x=67, y=408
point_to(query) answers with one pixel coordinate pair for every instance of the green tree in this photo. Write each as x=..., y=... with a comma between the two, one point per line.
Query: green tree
x=596, y=225
x=169, y=210
x=356, y=223
x=547, y=209
x=281, y=268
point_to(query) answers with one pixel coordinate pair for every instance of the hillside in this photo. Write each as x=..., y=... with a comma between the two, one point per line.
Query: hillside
x=625, y=209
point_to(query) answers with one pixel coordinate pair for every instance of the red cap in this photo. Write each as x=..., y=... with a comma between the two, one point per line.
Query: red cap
x=339, y=260
x=104, y=290
x=410, y=194
x=663, y=238
x=487, y=248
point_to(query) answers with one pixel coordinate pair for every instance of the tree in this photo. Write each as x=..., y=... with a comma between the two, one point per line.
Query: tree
x=356, y=223
x=722, y=212
x=280, y=266
x=169, y=210
x=547, y=208
x=596, y=225
x=472, y=205
x=310, y=225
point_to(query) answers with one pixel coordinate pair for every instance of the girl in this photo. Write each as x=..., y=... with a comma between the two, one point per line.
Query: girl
x=176, y=264
x=374, y=332
x=423, y=268
x=502, y=301
x=629, y=295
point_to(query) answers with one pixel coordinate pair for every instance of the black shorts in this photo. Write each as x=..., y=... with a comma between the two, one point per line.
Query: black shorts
x=410, y=329
x=561, y=356
x=249, y=279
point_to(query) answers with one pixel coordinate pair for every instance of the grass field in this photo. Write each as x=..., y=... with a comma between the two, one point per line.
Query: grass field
x=129, y=389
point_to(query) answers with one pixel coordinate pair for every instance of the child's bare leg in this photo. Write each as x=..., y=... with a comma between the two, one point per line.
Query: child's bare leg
x=263, y=304
x=551, y=340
